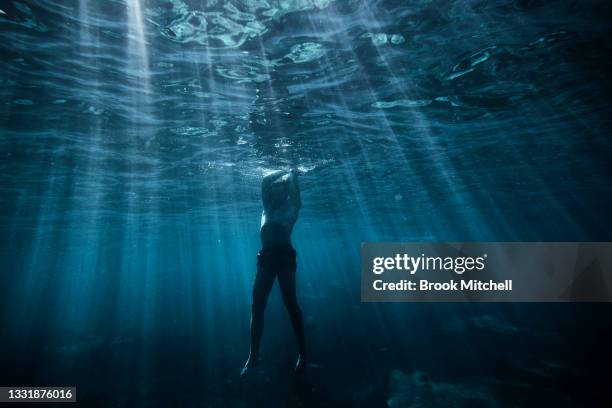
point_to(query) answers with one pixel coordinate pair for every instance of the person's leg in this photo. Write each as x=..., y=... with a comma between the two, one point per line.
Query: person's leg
x=286, y=281
x=261, y=290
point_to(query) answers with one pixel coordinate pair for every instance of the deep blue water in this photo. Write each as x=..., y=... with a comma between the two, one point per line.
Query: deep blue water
x=133, y=139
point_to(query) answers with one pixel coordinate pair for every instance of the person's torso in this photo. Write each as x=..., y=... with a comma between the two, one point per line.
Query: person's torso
x=279, y=215
x=274, y=234
x=277, y=224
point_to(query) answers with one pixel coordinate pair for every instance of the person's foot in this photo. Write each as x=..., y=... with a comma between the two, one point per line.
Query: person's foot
x=300, y=364
x=251, y=363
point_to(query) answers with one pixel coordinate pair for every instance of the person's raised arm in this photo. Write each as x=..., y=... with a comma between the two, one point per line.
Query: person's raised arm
x=265, y=189
x=295, y=189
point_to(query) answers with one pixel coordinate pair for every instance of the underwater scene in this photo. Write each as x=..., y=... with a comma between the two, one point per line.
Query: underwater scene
x=134, y=138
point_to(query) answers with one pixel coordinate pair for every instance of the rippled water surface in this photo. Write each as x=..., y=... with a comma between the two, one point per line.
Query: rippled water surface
x=448, y=109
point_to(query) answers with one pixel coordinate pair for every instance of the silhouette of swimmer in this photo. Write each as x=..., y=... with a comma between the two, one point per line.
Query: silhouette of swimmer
x=281, y=203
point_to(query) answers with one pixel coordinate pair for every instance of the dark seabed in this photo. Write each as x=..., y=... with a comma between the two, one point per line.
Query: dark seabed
x=133, y=139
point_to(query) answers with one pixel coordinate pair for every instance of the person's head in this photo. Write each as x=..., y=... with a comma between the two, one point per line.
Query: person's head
x=279, y=188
